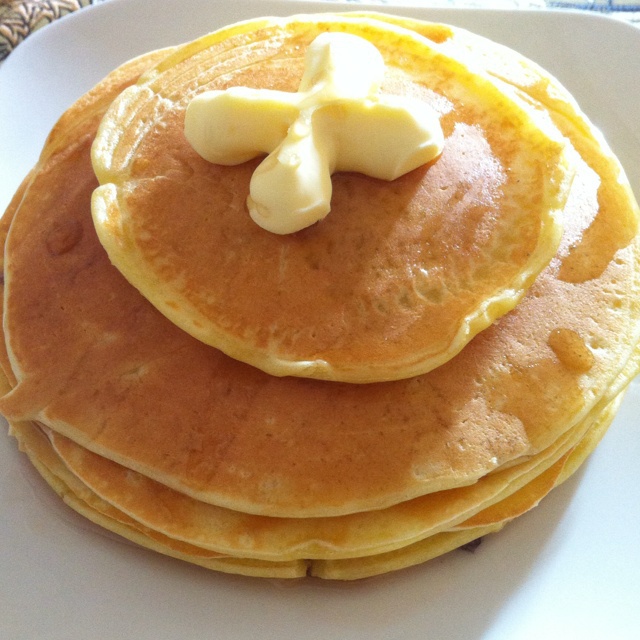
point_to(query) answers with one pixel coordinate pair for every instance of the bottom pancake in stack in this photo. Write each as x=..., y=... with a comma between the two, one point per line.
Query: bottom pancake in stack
x=143, y=429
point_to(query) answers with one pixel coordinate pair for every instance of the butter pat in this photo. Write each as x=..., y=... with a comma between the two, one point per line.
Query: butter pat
x=336, y=121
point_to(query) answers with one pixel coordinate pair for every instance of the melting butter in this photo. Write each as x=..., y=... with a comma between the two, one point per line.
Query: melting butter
x=336, y=121
x=571, y=350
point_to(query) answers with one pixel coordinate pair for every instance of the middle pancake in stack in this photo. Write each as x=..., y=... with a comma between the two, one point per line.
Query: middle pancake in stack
x=171, y=434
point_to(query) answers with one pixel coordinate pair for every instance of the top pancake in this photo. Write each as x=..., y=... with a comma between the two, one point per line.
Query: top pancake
x=115, y=376
x=399, y=276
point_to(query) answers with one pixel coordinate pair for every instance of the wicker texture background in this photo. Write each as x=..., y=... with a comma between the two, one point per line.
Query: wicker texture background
x=18, y=18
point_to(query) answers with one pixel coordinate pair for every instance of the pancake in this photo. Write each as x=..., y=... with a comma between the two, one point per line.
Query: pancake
x=485, y=523
x=163, y=511
x=525, y=499
x=172, y=444
x=82, y=499
x=76, y=496
x=122, y=381
x=396, y=279
x=164, y=514
x=241, y=534
x=523, y=77
x=36, y=446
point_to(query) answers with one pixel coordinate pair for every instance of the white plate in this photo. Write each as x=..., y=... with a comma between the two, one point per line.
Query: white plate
x=569, y=569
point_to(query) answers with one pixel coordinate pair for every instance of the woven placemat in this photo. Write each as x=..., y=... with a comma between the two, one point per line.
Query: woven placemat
x=19, y=18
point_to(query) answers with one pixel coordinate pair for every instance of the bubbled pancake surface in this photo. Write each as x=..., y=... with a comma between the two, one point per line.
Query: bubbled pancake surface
x=399, y=276
x=118, y=378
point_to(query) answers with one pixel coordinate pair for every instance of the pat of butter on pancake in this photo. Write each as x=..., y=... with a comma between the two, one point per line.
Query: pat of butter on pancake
x=337, y=121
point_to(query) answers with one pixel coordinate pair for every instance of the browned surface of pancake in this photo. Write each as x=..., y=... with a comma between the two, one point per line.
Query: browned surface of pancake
x=80, y=497
x=394, y=281
x=115, y=376
x=365, y=533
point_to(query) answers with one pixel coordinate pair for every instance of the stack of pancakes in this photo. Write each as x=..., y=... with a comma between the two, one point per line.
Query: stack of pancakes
x=400, y=379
